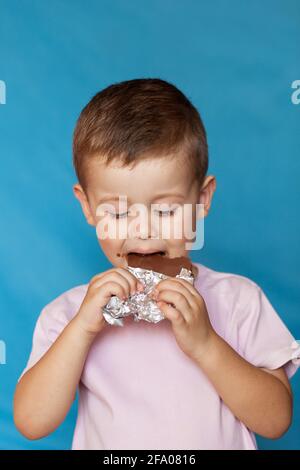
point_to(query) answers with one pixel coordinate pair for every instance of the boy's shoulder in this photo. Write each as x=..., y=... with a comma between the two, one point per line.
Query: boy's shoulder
x=225, y=282
x=66, y=304
x=237, y=296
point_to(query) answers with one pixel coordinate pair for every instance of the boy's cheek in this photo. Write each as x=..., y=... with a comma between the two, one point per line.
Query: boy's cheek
x=109, y=247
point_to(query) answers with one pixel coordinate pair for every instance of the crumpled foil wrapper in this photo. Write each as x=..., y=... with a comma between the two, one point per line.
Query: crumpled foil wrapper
x=140, y=305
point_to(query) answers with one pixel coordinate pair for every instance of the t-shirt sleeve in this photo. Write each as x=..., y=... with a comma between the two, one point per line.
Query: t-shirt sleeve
x=263, y=338
x=49, y=325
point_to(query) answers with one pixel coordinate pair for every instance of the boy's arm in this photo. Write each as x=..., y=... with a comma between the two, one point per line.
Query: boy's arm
x=46, y=391
x=260, y=398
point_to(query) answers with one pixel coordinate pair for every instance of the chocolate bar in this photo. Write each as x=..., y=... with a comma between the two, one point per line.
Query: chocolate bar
x=159, y=263
x=148, y=269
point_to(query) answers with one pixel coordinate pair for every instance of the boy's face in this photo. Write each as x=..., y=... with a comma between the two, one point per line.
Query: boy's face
x=147, y=212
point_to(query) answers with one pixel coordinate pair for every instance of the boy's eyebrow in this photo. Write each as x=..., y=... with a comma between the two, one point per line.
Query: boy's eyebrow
x=108, y=198
x=158, y=196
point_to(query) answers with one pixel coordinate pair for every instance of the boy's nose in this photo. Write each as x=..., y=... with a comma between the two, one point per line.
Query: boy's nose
x=144, y=228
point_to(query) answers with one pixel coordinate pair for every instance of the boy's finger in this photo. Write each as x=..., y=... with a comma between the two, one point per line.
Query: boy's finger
x=176, y=287
x=122, y=274
x=171, y=313
x=177, y=299
x=113, y=277
x=108, y=289
x=133, y=281
x=178, y=281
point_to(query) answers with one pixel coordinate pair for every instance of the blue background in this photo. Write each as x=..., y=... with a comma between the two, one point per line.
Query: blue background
x=235, y=60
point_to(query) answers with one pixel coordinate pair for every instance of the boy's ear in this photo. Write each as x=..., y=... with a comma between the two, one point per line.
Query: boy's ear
x=80, y=195
x=206, y=195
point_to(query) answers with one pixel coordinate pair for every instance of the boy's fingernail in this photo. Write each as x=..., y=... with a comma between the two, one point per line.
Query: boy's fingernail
x=154, y=293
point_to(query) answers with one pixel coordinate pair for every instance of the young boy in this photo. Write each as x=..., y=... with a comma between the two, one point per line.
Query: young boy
x=215, y=370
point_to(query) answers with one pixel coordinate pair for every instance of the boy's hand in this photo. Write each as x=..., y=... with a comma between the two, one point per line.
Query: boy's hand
x=115, y=281
x=190, y=321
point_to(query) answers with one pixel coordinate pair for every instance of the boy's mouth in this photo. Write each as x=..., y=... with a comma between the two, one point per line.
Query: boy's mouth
x=142, y=253
x=163, y=253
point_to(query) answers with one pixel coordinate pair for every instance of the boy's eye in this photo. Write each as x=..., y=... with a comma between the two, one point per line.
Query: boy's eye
x=119, y=216
x=169, y=212
x=165, y=213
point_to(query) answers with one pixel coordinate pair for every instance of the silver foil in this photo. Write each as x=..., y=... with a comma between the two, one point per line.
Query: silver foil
x=140, y=305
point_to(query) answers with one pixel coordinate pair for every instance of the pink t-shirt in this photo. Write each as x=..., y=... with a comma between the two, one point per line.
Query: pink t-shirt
x=138, y=390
